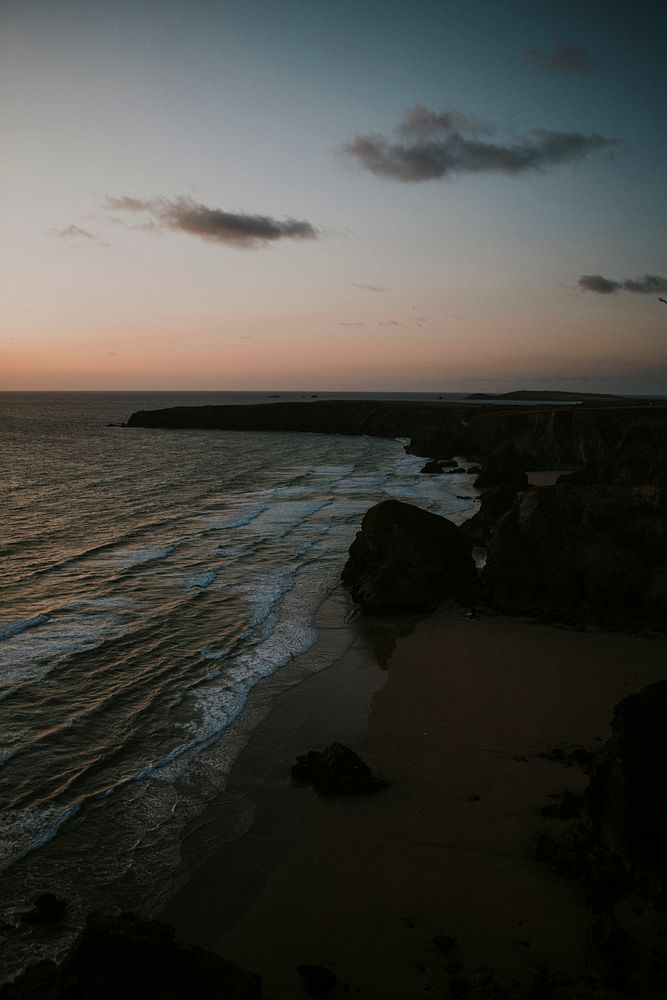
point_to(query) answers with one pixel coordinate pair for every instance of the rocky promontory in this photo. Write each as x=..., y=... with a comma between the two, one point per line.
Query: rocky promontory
x=541, y=436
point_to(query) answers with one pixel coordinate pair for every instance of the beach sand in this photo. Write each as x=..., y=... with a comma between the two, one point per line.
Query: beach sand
x=363, y=885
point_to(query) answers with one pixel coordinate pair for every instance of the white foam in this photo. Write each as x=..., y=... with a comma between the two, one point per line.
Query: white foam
x=25, y=830
x=238, y=520
x=202, y=581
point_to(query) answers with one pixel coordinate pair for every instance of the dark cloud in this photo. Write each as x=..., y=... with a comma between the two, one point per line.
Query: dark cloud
x=73, y=231
x=232, y=228
x=564, y=59
x=447, y=144
x=596, y=283
x=371, y=288
x=650, y=284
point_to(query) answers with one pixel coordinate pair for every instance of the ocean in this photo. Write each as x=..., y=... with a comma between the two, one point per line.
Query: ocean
x=150, y=580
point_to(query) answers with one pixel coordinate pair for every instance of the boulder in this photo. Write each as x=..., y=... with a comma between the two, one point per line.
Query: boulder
x=121, y=955
x=407, y=559
x=588, y=553
x=432, y=467
x=336, y=770
x=626, y=800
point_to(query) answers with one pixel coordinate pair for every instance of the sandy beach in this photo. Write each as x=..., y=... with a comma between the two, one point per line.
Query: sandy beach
x=368, y=886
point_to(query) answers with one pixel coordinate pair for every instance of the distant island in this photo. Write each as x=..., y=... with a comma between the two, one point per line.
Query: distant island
x=542, y=394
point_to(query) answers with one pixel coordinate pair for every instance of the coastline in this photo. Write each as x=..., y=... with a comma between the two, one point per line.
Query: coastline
x=364, y=885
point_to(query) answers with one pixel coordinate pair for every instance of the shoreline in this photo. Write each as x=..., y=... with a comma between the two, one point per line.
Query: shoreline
x=364, y=885
x=297, y=707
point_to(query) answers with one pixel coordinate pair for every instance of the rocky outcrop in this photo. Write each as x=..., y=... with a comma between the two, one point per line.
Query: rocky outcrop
x=432, y=468
x=638, y=458
x=407, y=559
x=503, y=466
x=123, y=956
x=495, y=502
x=626, y=801
x=587, y=553
x=336, y=770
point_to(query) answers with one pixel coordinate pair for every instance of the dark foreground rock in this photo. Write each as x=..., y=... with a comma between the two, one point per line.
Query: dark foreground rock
x=318, y=981
x=407, y=559
x=122, y=957
x=587, y=553
x=336, y=770
x=626, y=801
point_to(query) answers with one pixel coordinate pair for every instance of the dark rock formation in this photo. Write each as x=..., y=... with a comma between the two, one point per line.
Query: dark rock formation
x=626, y=801
x=586, y=553
x=502, y=467
x=637, y=458
x=432, y=467
x=317, y=979
x=495, y=502
x=407, y=559
x=122, y=956
x=337, y=770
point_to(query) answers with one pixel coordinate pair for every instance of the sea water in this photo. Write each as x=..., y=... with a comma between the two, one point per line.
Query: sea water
x=150, y=580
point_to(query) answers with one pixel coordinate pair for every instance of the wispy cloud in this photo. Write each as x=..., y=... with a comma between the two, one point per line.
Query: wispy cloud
x=564, y=58
x=351, y=324
x=74, y=232
x=371, y=288
x=433, y=145
x=237, y=229
x=650, y=284
x=390, y=322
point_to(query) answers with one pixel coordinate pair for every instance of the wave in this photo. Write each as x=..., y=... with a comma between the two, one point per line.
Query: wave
x=26, y=830
x=16, y=628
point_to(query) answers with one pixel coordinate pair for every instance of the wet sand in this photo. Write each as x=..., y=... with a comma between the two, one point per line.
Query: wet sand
x=364, y=885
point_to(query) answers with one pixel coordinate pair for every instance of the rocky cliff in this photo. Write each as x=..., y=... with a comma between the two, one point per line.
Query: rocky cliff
x=542, y=436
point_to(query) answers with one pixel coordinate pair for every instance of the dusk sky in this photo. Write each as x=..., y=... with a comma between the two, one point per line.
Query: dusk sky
x=380, y=195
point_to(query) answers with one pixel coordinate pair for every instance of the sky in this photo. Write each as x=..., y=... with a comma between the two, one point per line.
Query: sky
x=445, y=195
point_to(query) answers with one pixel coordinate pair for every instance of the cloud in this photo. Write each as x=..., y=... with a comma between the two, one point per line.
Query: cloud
x=213, y=224
x=650, y=284
x=350, y=324
x=446, y=144
x=73, y=231
x=371, y=288
x=596, y=283
x=391, y=322
x=564, y=59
